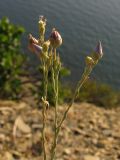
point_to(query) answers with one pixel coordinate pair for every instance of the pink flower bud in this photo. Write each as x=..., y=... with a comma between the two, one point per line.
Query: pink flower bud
x=55, y=39
x=37, y=49
x=32, y=39
x=33, y=45
x=99, y=50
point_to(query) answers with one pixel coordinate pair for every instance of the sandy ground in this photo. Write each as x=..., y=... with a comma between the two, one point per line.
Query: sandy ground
x=89, y=132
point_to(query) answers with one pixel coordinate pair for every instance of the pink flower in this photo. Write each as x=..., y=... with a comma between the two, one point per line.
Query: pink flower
x=34, y=46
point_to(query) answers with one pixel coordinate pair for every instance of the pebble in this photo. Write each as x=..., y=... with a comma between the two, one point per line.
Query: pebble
x=89, y=157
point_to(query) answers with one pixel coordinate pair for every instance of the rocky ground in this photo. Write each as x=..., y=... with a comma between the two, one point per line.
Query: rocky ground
x=89, y=132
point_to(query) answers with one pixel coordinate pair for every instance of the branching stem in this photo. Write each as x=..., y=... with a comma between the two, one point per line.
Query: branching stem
x=58, y=126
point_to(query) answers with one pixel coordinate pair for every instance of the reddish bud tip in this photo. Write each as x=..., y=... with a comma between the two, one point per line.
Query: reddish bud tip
x=99, y=49
x=55, y=38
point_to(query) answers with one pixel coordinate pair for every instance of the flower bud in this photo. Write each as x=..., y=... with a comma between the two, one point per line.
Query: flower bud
x=97, y=53
x=33, y=45
x=37, y=49
x=55, y=39
x=89, y=61
x=32, y=39
x=99, y=50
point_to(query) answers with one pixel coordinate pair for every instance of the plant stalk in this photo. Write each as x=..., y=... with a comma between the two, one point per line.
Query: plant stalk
x=55, y=76
x=78, y=87
x=45, y=81
x=53, y=150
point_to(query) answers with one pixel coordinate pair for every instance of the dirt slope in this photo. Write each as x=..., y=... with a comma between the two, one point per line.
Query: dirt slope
x=89, y=133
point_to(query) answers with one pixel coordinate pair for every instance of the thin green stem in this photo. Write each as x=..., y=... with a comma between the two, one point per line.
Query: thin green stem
x=53, y=153
x=55, y=75
x=78, y=87
x=45, y=81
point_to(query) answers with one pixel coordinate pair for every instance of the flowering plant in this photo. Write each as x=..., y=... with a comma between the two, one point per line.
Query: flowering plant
x=50, y=61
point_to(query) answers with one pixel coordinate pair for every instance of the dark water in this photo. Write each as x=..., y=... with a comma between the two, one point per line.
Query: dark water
x=81, y=24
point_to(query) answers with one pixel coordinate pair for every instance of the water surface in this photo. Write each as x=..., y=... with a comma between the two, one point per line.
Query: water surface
x=81, y=24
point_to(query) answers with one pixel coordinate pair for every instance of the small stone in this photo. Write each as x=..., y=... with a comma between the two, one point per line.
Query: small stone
x=100, y=145
x=89, y=157
x=2, y=137
x=8, y=156
x=67, y=151
x=94, y=141
x=107, y=132
x=78, y=132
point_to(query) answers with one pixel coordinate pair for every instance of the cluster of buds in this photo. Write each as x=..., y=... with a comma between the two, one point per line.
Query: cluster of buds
x=39, y=46
x=55, y=40
x=46, y=50
x=96, y=55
